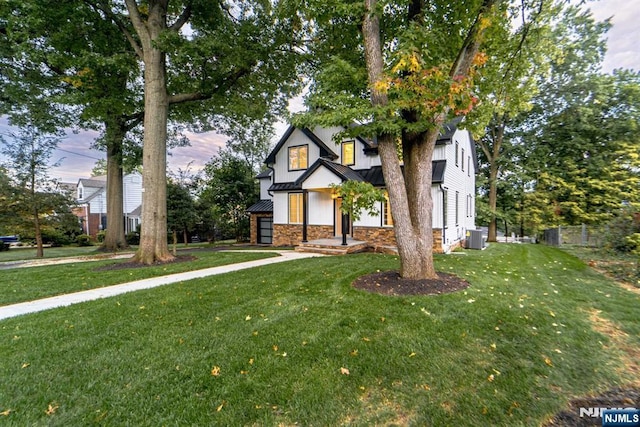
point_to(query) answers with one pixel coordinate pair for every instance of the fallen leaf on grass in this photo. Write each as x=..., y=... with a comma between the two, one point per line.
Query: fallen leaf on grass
x=215, y=371
x=51, y=409
x=5, y=413
x=26, y=365
x=344, y=371
x=219, y=408
x=548, y=361
x=491, y=377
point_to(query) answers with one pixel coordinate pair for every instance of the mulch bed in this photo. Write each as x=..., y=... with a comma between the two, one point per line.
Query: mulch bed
x=619, y=397
x=131, y=264
x=390, y=283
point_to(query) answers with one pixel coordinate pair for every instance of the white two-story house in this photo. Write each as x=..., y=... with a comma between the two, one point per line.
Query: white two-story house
x=92, y=202
x=298, y=204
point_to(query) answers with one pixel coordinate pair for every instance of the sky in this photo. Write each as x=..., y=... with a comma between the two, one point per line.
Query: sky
x=76, y=159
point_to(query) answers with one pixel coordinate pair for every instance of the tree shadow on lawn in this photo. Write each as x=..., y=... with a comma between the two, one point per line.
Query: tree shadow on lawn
x=390, y=283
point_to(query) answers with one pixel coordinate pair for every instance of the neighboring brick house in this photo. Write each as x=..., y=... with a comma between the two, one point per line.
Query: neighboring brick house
x=298, y=205
x=91, y=195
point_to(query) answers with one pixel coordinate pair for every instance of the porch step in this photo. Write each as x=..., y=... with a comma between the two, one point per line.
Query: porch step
x=331, y=247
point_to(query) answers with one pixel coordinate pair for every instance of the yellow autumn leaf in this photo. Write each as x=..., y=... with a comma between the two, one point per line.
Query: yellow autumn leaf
x=215, y=371
x=552, y=314
x=491, y=377
x=381, y=86
x=493, y=346
x=425, y=387
x=344, y=371
x=251, y=361
x=247, y=318
x=548, y=361
x=5, y=413
x=51, y=409
x=275, y=348
x=412, y=354
x=354, y=352
x=26, y=365
x=244, y=372
x=219, y=408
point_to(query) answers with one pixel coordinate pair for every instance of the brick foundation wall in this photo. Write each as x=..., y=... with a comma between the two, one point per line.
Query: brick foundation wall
x=437, y=241
x=376, y=236
x=291, y=234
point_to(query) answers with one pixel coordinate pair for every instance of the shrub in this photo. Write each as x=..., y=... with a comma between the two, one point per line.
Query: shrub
x=133, y=238
x=3, y=246
x=84, y=240
x=619, y=228
x=101, y=235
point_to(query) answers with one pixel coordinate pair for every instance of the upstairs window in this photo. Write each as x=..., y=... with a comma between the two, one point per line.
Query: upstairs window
x=462, y=159
x=298, y=157
x=348, y=153
x=80, y=193
x=468, y=165
x=456, y=155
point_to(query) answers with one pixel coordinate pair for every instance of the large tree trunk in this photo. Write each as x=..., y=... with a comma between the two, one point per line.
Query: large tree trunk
x=114, y=238
x=153, y=236
x=493, y=156
x=414, y=239
x=410, y=195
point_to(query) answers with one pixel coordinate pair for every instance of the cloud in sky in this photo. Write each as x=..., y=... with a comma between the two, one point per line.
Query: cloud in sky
x=623, y=47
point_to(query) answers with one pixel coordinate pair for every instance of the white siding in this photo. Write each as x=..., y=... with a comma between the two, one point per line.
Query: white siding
x=281, y=208
x=132, y=192
x=320, y=178
x=281, y=166
x=265, y=183
x=367, y=220
x=320, y=208
x=461, y=181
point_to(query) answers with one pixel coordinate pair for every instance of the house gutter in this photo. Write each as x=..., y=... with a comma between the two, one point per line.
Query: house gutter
x=443, y=213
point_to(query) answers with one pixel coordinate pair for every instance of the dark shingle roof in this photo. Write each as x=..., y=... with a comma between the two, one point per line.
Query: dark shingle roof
x=261, y=206
x=285, y=186
x=264, y=174
x=448, y=129
x=375, y=177
x=324, y=150
x=343, y=172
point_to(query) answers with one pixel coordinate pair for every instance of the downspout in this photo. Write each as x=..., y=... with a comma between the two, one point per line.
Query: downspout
x=305, y=197
x=443, y=214
x=273, y=178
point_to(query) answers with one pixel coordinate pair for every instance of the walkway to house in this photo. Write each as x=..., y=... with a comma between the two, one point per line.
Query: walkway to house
x=109, y=291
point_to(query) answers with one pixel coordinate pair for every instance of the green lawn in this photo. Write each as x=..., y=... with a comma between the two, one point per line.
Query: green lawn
x=295, y=343
x=26, y=284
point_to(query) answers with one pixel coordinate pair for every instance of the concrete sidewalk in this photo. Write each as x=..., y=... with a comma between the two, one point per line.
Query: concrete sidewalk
x=109, y=291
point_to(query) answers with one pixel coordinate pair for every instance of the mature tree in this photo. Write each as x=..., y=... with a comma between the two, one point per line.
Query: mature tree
x=584, y=156
x=245, y=78
x=67, y=66
x=229, y=189
x=34, y=197
x=249, y=141
x=515, y=61
x=419, y=61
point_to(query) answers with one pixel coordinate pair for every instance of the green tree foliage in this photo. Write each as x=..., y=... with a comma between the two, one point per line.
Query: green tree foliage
x=181, y=212
x=229, y=188
x=584, y=156
x=359, y=196
x=34, y=203
x=401, y=70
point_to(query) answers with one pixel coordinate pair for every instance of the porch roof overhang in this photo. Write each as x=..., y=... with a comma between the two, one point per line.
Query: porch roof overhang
x=262, y=206
x=341, y=172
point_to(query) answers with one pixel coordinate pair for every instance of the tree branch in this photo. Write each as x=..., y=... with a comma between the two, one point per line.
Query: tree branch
x=471, y=45
x=116, y=20
x=182, y=19
x=139, y=26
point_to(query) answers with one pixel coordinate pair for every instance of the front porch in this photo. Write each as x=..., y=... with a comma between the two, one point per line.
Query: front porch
x=333, y=246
